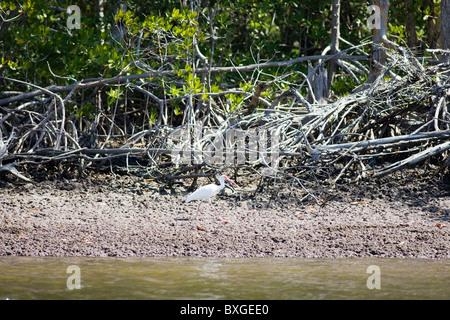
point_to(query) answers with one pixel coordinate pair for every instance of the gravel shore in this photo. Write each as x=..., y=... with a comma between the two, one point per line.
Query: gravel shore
x=130, y=216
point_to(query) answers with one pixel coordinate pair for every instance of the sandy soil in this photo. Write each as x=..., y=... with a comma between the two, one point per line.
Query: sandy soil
x=104, y=215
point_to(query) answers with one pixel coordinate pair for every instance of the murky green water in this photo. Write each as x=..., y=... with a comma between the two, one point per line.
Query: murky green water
x=222, y=278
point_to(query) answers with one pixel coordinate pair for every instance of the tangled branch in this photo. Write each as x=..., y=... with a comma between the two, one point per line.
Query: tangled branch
x=399, y=120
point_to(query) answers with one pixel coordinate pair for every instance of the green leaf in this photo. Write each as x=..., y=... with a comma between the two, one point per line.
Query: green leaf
x=177, y=15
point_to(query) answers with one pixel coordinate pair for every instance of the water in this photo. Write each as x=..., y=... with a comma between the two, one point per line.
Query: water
x=222, y=278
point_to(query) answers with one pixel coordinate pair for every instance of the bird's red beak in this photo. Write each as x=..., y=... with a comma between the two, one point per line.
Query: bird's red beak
x=229, y=180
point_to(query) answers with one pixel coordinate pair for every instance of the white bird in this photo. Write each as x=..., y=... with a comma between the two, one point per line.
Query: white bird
x=207, y=192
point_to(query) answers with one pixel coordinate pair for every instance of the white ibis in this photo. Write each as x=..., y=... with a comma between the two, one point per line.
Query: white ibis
x=207, y=192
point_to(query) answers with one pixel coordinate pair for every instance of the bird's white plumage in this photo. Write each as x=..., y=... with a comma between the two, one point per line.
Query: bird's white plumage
x=207, y=192
x=204, y=193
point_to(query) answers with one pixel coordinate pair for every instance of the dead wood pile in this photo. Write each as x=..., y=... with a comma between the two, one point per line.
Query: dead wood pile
x=400, y=120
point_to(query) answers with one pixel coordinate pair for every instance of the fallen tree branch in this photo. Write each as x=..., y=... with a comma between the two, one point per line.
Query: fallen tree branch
x=11, y=169
x=371, y=144
x=414, y=159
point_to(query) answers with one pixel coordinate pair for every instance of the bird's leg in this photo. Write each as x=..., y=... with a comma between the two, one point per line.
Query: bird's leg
x=219, y=217
x=198, y=208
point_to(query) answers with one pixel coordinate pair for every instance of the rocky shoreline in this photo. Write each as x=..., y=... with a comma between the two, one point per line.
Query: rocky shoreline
x=129, y=216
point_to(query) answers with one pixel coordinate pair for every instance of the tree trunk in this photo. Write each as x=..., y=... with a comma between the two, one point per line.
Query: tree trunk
x=432, y=31
x=410, y=26
x=379, y=35
x=317, y=77
x=445, y=24
x=334, y=44
x=379, y=55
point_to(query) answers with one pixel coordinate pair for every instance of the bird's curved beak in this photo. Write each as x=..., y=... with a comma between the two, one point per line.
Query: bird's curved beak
x=229, y=180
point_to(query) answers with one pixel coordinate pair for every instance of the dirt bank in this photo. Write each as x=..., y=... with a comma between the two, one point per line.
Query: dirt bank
x=129, y=216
